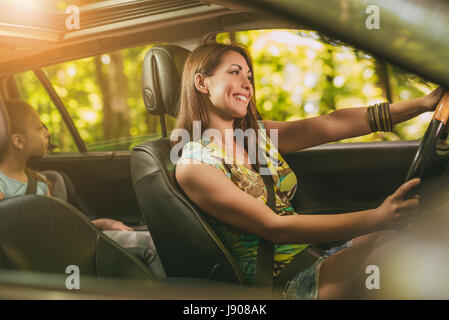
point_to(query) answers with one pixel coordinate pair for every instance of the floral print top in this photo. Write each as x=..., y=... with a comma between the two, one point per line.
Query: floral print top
x=242, y=245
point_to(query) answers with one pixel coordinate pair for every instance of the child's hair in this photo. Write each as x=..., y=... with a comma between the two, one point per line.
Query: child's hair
x=18, y=112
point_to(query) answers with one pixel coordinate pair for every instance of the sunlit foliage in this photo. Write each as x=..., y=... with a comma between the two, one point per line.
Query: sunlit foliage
x=299, y=74
x=103, y=97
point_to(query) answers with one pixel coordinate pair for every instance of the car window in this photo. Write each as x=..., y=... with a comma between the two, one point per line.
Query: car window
x=32, y=91
x=103, y=96
x=300, y=74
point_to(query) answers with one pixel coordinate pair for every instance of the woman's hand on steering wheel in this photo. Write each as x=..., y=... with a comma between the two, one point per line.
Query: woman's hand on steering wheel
x=437, y=100
x=431, y=100
x=395, y=212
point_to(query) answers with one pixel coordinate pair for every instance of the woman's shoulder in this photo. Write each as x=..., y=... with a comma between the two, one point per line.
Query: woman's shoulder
x=193, y=149
x=193, y=146
x=201, y=152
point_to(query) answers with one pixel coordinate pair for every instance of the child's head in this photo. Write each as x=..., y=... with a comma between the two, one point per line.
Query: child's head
x=28, y=134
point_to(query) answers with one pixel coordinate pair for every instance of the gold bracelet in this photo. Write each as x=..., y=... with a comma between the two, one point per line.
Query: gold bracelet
x=390, y=123
x=376, y=117
x=379, y=117
x=386, y=116
x=382, y=116
x=369, y=113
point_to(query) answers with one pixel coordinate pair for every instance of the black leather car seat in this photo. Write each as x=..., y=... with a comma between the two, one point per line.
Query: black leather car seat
x=139, y=243
x=62, y=188
x=43, y=234
x=187, y=245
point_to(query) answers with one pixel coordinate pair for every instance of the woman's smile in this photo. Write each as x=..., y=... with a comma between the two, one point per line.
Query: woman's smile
x=241, y=97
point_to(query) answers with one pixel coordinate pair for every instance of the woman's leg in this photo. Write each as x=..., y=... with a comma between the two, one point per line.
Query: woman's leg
x=342, y=275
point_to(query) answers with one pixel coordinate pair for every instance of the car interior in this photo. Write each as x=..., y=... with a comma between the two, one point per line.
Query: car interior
x=138, y=186
x=44, y=235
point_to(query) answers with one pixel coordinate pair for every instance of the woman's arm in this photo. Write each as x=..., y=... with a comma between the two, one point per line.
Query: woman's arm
x=343, y=123
x=214, y=193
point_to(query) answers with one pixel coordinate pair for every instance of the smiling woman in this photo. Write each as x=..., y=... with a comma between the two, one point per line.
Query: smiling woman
x=253, y=216
x=87, y=84
x=304, y=74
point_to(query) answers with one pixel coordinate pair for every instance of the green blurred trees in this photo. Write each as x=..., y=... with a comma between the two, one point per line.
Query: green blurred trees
x=299, y=74
x=302, y=74
x=103, y=97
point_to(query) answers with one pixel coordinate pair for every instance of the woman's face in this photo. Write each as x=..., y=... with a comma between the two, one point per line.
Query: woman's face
x=230, y=88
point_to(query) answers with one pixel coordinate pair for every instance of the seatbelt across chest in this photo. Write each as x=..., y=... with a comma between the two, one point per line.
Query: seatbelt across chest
x=32, y=185
x=265, y=254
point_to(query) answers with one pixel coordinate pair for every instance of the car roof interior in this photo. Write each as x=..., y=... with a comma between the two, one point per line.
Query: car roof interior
x=112, y=25
x=40, y=37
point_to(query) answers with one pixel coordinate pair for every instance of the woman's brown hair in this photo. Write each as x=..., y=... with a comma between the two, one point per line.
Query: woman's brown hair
x=18, y=113
x=192, y=107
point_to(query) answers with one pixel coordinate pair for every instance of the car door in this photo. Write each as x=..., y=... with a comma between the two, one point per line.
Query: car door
x=346, y=177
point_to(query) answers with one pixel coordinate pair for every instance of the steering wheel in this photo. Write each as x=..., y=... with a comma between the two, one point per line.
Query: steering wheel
x=437, y=129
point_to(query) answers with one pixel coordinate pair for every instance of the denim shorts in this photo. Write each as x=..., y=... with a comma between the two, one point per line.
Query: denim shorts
x=304, y=286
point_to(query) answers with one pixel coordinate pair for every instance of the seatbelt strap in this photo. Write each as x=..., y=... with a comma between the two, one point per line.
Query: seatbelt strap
x=32, y=185
x=265, y=254
x=263, y=278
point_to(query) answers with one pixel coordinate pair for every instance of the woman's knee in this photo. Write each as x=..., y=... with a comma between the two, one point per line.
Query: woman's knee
x=375, y=238
x=342, y=273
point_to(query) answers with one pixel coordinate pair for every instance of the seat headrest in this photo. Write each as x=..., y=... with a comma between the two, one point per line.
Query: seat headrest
x=161, y=78
x=4, y=128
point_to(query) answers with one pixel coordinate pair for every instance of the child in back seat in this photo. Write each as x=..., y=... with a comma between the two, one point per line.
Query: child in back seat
x=29, y=137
